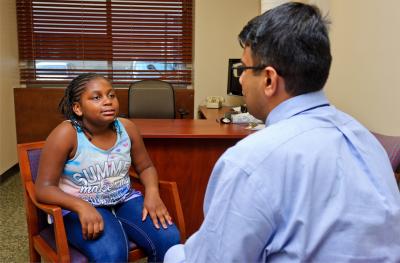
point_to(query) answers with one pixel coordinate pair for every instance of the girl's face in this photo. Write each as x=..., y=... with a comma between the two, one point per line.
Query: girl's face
x=98, y=104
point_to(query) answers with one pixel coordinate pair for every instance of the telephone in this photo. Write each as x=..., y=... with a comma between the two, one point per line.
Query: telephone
x=214, y=102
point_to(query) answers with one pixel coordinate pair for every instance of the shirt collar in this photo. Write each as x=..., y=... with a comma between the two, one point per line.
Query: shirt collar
x=296, y=105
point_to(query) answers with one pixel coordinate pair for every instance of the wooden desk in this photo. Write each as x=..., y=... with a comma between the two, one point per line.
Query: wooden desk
x=185, y=128
x=185, y=151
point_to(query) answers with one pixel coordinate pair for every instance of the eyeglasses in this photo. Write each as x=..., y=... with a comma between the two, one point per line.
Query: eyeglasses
x=238, y=69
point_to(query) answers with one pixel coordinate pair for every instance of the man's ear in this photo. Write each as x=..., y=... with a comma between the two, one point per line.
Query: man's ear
x=76, y=107
x=271, y=81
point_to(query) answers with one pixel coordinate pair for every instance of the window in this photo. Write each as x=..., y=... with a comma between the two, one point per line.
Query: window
x=125, y=40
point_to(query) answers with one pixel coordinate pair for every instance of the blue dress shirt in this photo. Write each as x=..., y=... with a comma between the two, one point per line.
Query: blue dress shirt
x=313, y=186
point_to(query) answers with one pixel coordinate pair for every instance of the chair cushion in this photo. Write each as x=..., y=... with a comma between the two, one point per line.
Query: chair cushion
x=75, y=255
x=392, y=147
x=34, y=156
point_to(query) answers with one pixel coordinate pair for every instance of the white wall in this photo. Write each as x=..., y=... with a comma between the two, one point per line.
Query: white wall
x=217, y=25
x=9, y=78
x=365, y=75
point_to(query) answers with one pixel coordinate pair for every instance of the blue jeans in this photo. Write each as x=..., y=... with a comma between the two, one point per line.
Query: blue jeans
x=124, y=223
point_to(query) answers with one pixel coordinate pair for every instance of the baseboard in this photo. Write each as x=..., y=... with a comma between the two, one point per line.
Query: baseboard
x=13, y=170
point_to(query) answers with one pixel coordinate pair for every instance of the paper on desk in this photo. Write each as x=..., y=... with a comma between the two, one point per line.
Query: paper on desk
x=236, y=109
x=244, y=118
x=258, y=127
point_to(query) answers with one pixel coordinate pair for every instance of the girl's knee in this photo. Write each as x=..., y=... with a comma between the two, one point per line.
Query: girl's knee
x=164, y=239
x=110, y=254
x=170, y=237
x=173, y=236
x=116, y=251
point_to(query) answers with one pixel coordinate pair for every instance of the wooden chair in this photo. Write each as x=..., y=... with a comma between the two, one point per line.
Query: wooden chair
x=49, y=241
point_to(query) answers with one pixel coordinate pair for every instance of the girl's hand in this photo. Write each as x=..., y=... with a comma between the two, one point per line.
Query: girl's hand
x=154, y=206
x=91, y=221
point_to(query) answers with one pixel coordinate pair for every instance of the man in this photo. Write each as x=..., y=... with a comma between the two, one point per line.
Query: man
x=314, y=185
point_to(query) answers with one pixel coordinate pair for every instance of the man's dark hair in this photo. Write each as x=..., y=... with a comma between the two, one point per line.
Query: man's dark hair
x=293, y=39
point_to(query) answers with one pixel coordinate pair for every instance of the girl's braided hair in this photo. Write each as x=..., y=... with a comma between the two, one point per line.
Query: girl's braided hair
x=72, y=95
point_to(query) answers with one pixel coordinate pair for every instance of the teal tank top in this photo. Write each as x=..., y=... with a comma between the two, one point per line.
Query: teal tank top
x=100, y=177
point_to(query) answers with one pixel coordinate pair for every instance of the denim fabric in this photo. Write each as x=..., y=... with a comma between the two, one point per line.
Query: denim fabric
x=124, y=223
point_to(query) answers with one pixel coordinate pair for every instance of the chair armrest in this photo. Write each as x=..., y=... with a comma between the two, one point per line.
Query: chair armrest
x=48, y=209
x=170, y=196
x=59, y=229
x=133, y=175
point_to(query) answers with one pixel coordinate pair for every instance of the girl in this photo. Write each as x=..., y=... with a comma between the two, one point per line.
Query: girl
x=84, y=169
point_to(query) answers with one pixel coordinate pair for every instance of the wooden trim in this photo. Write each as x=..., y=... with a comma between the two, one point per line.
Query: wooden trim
x=201, y=129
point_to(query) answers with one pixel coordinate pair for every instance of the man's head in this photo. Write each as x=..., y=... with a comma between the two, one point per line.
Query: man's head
x=288, y=44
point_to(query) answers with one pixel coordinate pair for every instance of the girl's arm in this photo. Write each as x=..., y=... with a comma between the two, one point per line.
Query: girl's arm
x=59, y=147
x=153, y=205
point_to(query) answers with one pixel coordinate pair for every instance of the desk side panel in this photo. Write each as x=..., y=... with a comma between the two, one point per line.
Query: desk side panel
x=189, y=162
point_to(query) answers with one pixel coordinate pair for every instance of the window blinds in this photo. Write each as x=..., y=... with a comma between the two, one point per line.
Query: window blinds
x=125, y=40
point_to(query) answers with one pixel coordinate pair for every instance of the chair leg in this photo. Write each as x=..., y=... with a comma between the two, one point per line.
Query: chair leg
x=33, y=254
x=135, y=255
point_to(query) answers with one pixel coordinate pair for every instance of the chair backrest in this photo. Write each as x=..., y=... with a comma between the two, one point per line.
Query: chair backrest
x=29, y=156
x=392, y=147
x=151, y=99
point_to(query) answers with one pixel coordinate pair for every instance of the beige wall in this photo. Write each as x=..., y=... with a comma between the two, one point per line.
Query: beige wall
x=9, y=78
x=364, y=77
x=365, y=46
x=365, y=73
x=217, y=25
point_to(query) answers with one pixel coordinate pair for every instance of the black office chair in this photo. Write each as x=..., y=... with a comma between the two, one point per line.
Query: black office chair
x=151, y=99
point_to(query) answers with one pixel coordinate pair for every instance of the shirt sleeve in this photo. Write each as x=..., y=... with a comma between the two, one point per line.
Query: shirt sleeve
x=237, y=225
x=175, y=254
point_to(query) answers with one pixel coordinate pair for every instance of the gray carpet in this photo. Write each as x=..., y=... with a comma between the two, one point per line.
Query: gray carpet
x=13, y=230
